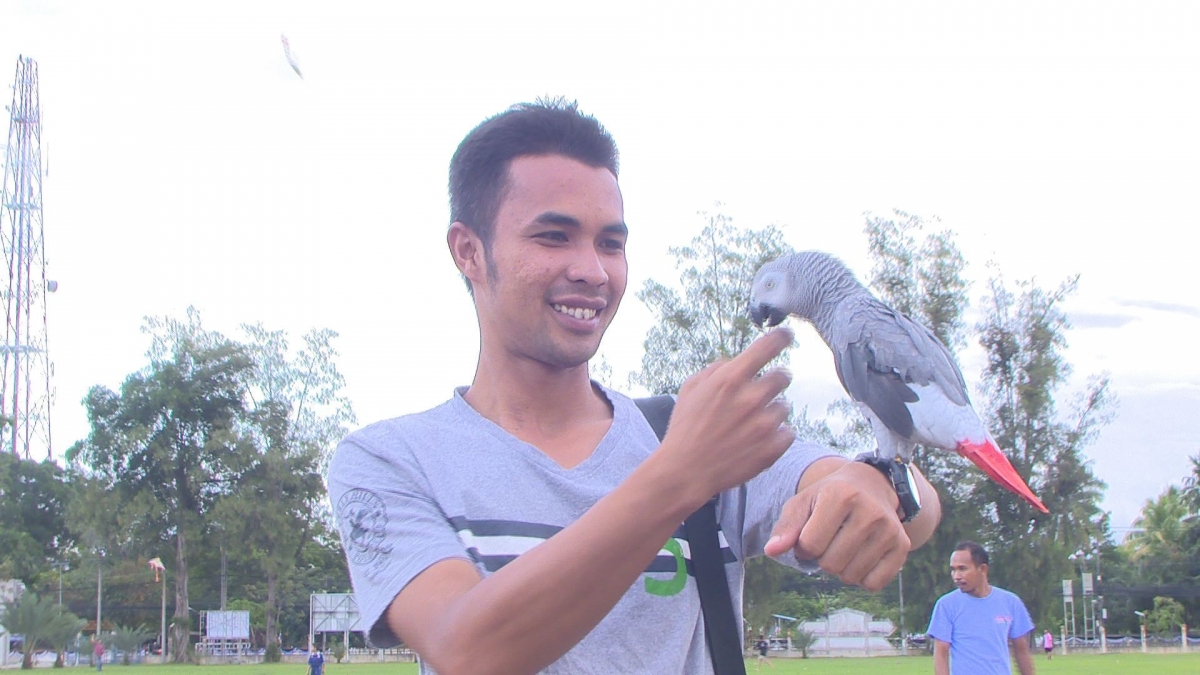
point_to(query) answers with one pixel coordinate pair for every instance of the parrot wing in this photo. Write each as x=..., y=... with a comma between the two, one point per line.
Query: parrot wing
x=879, y=352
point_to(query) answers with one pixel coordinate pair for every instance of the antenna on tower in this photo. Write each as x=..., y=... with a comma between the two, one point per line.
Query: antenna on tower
x=25, y=391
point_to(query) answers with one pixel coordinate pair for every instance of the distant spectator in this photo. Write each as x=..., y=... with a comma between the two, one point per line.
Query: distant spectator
x=316, y=662
x=98, y=652
x=762, y=646
x=1048, y=645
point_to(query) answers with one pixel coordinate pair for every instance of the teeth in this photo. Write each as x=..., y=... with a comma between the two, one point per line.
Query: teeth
x=577, y=312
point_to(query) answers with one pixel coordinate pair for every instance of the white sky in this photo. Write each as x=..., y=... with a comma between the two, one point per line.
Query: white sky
x=190, y=165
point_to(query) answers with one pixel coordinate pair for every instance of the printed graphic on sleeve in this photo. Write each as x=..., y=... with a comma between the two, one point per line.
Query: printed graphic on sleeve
x=363, y=520
x=495, y=543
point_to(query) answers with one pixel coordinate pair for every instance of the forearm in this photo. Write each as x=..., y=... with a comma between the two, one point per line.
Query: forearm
x=536, y=608
x=941, y=660
x=1024, y=659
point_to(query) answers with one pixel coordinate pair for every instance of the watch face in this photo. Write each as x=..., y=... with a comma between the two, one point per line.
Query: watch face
x=912, y=485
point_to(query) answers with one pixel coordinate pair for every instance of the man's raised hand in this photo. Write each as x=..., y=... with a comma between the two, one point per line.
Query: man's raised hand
x=729, y=422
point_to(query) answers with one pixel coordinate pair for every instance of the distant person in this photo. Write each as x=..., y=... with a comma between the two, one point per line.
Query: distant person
x=316, y=662
x=98, y=652
x=1048, y=644
x=762, y=646
x=975, y=626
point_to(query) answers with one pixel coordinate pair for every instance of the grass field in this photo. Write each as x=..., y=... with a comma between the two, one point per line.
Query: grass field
x=1110, y=664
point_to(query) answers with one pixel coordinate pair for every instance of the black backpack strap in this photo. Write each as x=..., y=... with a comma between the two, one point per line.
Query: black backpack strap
x=700, y=528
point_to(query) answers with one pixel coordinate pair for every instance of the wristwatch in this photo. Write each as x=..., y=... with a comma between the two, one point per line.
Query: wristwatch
x=900, y=475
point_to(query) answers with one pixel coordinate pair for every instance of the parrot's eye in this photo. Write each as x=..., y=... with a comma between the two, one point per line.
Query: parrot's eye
x=770, y=284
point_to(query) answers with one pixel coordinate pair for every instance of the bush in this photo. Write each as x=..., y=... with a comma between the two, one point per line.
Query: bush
x=273, y=654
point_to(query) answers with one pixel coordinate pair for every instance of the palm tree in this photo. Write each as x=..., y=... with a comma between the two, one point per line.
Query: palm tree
x=1191, y=486
x=1163, y=526
x=127, y=640
x=803, y=641
x=63, y=632
x=33, y=618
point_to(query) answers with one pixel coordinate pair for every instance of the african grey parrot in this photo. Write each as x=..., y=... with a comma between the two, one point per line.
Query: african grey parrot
x=901, y=375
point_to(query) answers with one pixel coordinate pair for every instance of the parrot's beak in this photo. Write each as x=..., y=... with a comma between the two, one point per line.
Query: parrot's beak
x=764, y=313
x=988, y=457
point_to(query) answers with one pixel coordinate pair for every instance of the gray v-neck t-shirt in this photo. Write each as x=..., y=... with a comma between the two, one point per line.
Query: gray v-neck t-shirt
x=448, y=483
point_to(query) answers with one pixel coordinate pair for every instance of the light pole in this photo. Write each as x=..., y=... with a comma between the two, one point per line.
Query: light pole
x=61, y=566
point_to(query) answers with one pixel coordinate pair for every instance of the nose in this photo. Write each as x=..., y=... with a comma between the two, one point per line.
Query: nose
x=587, y=266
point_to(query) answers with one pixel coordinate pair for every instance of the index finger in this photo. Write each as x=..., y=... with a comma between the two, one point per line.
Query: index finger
x=760, y=352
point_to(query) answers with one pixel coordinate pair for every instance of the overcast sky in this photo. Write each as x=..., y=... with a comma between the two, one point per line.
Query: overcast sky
x=189, y=165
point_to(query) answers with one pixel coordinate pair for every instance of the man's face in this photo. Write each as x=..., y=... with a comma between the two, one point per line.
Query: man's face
x=968, y=576
x=557, y=264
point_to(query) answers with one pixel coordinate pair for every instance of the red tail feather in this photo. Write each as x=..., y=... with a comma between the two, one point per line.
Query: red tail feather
x=988, y=457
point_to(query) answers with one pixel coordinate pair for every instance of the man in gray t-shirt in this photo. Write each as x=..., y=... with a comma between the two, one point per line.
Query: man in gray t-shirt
x=520, y=526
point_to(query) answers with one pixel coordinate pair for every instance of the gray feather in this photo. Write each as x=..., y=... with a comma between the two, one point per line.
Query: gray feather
x=878, y=350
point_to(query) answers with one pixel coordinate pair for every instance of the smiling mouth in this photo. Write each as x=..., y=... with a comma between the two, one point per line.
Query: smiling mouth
x=582, y=313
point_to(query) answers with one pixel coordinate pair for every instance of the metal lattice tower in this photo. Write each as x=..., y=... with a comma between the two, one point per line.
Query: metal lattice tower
x=25, y=396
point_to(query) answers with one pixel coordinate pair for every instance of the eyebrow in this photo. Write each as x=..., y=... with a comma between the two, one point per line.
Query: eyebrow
x=564, y=220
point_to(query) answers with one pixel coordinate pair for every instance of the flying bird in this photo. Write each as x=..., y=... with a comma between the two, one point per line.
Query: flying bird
x=902, y=377
x=287, y=52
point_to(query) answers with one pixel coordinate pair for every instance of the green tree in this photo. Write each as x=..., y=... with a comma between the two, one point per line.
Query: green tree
x=35, y=618
x=1166, y=617
x=710, y=320
x=128, y=639
x=297, y=415
x=1023, y=332
x=167, y=442
x=1158, y=548
x=33, y=498
x=804, y=641
x=1191, y=486
x=63, y=632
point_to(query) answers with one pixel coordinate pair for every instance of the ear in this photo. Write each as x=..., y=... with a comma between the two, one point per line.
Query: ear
x=467, y=250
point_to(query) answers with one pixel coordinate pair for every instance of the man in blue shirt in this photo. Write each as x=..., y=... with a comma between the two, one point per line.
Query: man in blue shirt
x=974, y=626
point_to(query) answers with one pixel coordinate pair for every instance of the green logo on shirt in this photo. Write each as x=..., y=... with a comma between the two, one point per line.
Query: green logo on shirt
x=672, y=586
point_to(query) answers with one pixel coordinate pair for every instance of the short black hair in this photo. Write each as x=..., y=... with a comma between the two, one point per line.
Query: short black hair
x=979, y=554
x=549, y=126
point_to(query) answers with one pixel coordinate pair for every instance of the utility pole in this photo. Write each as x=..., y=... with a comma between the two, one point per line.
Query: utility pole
x=99, y=585
x=224, y=585
x=61, y=566
x=903, y=634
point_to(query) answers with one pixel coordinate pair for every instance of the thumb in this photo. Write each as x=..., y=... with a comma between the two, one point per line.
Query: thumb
x=786, y=533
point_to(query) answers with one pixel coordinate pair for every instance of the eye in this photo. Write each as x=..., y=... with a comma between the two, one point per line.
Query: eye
x=613, y=244
x=771, y=284
x=556, y=236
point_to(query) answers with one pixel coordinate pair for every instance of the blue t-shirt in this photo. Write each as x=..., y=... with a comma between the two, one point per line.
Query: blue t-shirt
x=978, y=630
x=316, y=662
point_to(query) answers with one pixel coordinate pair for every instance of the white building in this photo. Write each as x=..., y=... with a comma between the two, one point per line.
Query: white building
x=850, y=632
x=10, y=591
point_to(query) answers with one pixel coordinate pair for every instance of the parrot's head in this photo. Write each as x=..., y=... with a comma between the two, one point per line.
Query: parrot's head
x=768, y=295
x=798, y=284
x=785, y=286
